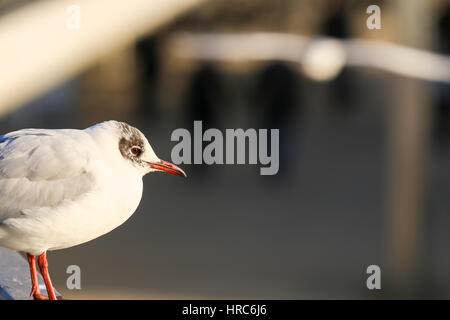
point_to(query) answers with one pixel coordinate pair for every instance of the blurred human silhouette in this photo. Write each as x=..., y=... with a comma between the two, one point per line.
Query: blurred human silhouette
x=148, y=66
x=442, y=101
x=276, y=100
x=335, y=21
x=204, y=99
x=335, y=25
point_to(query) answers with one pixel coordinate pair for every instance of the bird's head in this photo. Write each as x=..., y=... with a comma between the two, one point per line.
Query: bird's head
x=137, y=151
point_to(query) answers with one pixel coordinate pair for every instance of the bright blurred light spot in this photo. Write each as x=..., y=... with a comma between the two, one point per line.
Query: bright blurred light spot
x=324, y=59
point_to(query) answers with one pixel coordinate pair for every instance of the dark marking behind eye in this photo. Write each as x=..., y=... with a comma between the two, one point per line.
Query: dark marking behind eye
x=126, y=145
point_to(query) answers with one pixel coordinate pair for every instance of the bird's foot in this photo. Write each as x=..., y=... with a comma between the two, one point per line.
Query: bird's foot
x=38, y=296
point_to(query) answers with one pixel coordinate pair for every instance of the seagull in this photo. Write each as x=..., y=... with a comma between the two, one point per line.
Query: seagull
x=63, y=187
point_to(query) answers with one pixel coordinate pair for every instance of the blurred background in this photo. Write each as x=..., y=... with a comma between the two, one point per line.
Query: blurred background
x=364, y=151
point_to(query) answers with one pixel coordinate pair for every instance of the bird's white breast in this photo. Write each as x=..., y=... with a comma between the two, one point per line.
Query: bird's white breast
x=114, y=199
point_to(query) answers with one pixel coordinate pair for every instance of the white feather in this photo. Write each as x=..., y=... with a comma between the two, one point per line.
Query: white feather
x=59, y=188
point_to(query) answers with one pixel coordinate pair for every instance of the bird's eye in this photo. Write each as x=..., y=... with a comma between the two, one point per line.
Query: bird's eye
x=136, y=151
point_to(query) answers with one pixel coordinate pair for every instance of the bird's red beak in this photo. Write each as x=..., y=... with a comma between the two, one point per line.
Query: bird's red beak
x=167, y=167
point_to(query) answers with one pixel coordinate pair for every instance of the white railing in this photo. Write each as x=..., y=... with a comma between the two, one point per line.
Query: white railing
x=38, y=49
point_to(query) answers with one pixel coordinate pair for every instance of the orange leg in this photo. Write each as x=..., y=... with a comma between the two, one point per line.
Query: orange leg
x=43, y=266
x=35, y=291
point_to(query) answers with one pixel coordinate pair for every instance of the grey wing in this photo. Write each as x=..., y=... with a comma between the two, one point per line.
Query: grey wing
x=40, y=168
